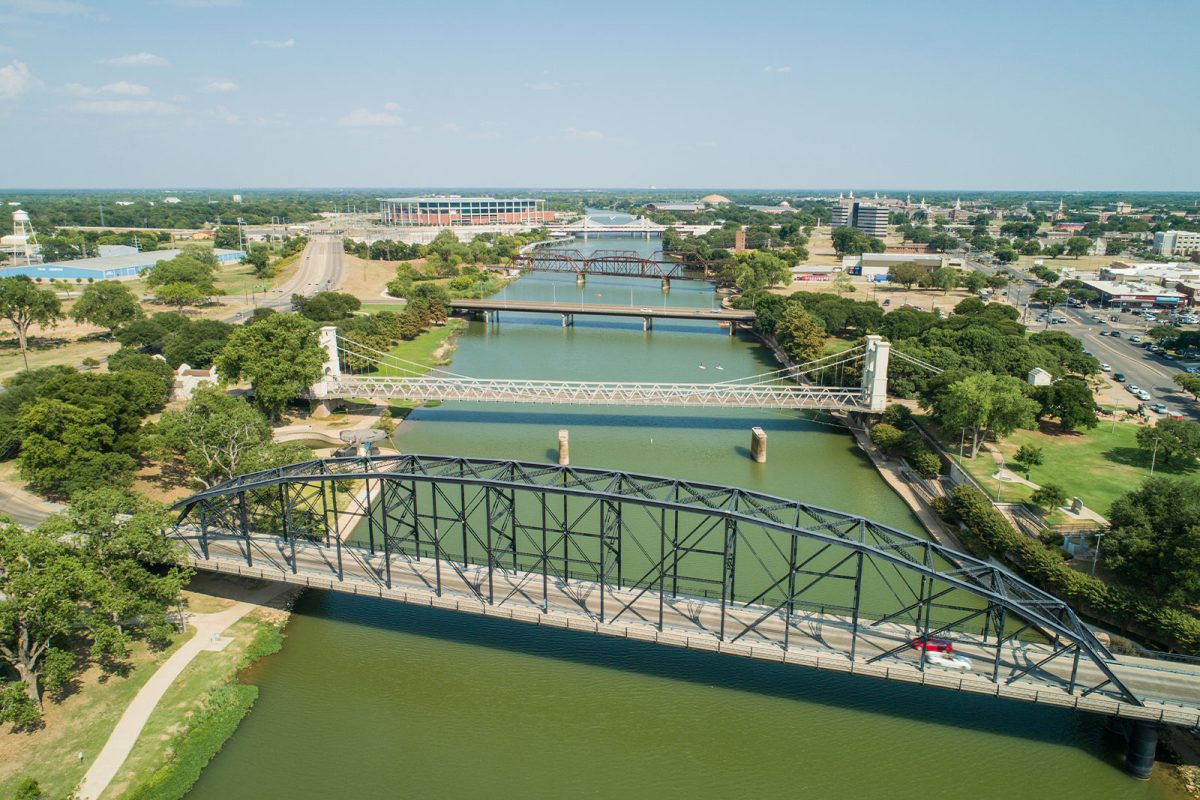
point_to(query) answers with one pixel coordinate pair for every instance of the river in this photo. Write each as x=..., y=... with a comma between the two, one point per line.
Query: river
x=370, y=699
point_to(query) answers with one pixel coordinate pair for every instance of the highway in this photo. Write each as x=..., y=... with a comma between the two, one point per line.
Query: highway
x=320, y=270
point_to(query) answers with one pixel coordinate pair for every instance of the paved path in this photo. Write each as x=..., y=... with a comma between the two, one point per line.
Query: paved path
x=25, y=507
x=129, y=727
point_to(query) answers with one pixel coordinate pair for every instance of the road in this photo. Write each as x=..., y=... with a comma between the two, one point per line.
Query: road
x=1140, y=367
x=320, y=270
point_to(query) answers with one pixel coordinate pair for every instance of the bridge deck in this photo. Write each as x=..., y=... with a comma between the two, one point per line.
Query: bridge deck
x=601, y=309
x=816, y=639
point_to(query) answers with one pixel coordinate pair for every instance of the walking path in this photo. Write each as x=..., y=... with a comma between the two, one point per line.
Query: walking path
x=209, y=628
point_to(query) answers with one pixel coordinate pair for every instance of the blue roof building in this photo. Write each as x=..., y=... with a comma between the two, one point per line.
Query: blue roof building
x=107, y=268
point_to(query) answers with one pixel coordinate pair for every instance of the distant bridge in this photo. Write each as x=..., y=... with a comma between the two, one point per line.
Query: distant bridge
x=636, y=226
x=353, y=369
x=491, y=310
x=694, y=565
x=619, y=263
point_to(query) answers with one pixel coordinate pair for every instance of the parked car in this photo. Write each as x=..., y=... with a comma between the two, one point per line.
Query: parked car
x=1119, y=377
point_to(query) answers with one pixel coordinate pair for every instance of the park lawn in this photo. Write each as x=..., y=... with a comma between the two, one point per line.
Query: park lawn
x=432, y=347
x=1097, y=466
x=396, y=305
x=185, y=697
x=80, y=723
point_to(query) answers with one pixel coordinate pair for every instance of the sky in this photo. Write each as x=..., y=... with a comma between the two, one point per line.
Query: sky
x=1055, y=94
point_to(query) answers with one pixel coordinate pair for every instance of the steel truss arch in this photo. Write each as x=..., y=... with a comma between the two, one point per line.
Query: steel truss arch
x=222, y=510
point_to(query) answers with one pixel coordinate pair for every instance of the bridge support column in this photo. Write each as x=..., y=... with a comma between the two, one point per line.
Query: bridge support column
x=758, y=444
x=647, y=323
x=580, y=279
x=568, y=320
x=666, y=285
x=564, y=448
x=874, y=377
x=1141, y=741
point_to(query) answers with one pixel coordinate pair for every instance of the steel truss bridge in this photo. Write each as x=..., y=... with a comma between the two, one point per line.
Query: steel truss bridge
x=621, y=263
x=355, y=370
x=682, y=563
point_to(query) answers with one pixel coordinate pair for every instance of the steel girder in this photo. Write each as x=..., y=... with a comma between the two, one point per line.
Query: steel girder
x=620, y=263
x=295, y=502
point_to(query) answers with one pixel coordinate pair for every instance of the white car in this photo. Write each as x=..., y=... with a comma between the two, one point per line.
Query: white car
x=1105, y=368
x=1143, y=395
x=647, y=310
x=1133, y=388
x=947, y=660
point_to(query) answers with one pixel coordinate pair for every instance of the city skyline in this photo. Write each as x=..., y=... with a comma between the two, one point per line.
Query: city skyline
x=237, y=93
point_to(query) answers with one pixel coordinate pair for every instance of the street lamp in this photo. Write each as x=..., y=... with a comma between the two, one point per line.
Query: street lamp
x=1154, y=453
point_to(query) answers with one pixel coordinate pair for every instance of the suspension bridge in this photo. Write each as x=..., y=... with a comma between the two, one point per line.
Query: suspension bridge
x=702, y=566
x=355, y=370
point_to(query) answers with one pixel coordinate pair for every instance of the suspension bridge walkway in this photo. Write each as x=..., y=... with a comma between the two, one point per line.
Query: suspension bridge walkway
x=702, y=566
x=355, y=370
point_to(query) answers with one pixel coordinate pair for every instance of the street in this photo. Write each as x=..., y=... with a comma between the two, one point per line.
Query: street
x=320, y=270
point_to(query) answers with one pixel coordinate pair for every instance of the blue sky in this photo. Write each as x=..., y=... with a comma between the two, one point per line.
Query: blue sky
x=1054, y=94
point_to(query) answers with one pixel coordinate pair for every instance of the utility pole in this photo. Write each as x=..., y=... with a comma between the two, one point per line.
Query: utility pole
x=1096, y=552
x=1154, y=453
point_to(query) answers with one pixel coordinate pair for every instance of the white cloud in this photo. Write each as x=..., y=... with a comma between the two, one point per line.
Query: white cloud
x=60, y=7
x=452, y=128
x=203, y=3
x=579, y=135
x=120, y=87
x=544, y=86
x=777, y=70
x=274, y=44
x=220, y=86
x=365, y=118
x=136, y=60
x=225, y=115
x=153, y=108
x=15, y=80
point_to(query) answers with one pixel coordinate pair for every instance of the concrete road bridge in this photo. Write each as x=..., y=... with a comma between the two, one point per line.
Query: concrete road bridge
x=858, y=377
x=490, y=311
x=680, y=563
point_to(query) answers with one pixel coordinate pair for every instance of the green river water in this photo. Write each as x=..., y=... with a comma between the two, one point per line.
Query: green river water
x=372, y=699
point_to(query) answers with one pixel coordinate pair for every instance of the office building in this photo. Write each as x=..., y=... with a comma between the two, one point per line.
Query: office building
x=866, y=218
x=1177, y=243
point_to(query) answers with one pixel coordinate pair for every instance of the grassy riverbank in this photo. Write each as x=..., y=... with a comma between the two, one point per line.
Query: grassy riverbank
x=197, y=716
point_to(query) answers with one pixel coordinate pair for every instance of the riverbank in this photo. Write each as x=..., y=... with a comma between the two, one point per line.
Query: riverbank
x=205, y=703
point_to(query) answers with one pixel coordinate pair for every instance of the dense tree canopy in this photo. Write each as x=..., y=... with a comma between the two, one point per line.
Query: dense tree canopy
x=278, y=355
x=108, y=304
x=1155, y=539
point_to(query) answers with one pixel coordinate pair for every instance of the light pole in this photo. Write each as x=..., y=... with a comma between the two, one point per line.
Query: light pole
x=961, y=438
x=1154, y=453
x=1096, y=552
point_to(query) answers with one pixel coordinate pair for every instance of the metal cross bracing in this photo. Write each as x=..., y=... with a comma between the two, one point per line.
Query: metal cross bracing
x=364, y=372
x=711, y=566
x=623, y=263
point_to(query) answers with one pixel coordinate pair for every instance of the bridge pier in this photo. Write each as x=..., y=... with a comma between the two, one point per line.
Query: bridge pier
x=1141, y=742
x=666, y=285
x=564, y=448
x=580, y=279
x=568, y=320
x=758, y=444
x=647, y=324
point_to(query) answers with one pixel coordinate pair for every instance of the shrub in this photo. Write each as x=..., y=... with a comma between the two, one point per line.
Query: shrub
x=885, y=436
x=925, y=463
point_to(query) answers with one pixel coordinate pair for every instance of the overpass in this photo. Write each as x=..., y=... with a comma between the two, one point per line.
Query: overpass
x=852, y=380
x=680, y=563
x=490, y=310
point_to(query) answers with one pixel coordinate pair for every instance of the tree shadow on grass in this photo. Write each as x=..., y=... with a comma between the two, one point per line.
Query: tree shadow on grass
x=1137, y=457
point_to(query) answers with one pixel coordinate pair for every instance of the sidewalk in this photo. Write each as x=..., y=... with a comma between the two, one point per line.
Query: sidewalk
x=209, y=628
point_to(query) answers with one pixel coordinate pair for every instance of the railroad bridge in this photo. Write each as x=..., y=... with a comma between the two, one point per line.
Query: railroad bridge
x=679, y=563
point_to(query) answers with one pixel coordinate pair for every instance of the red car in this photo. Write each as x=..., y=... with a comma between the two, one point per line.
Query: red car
x=932, y=645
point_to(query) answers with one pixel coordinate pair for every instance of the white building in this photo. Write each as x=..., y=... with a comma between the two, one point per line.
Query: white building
x=866, y=218
x=875, y=265
x=1177, y=243
x=187, y=380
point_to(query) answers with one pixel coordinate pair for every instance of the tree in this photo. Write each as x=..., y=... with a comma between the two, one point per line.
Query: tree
x=1028, y=456
x=1189, y=383
x=1078, y=246
x=186, y=279
x=326, y=306
x=974, y=281
x=259, y=258
x=925, y=462
x=65, y=448
x=945, y=279
x=135, y=573
x=108, y=304
x=1171, y=438
x=941, y=242
x=1048, y=496
x=196, y=343
x=985, y=403
x=1070, y=400
x=800, y=335
x=907, y=272
x=1054, y=250
x=42, y=580
x=219, y=437
x=1155, y=538
x=885, y=436
x=280, y=357
x=24, y=304
x=842, y=282
x=1050, y=296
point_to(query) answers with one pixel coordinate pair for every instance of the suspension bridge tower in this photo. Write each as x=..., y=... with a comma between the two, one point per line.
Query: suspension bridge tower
x=874, y=375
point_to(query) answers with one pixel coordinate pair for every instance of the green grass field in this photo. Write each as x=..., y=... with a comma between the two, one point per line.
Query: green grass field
x=1097, y=466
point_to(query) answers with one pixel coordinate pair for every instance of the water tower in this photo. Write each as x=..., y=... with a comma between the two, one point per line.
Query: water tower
x=22, y=243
